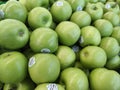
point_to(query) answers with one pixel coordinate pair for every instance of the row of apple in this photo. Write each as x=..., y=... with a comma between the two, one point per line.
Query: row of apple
x=60, y=45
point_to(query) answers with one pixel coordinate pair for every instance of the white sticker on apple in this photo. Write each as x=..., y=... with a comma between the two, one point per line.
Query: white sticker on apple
x=31, y=61
x=107, y=6
x=1, y=14
x=52, y=86
x=79, y=8
x=45, y=50
x=81, y=40
x=59, y=3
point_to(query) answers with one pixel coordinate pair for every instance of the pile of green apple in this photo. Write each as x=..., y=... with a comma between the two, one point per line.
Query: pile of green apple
x=60, y=45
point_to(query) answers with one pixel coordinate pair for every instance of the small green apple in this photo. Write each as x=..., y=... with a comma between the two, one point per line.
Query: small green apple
x=14, y=35
x=112, y=17
x=95, y=11
x=77, y=5
x=26, y=84
x=93, y=57
x=113, y=63
x=111, y=6
x=39, y=17
x=44, y=68
x=49, y=86
x=116, y=33
x=15, y=10
x=68, y=32
x=74, y=79
x=110, y=45
x=89, y=36
x=44, y=40
x=104, y=26
x=13, y=67
x=66, y=56
x=61, y=10
x=81, y=18
x=30, y=4
x=104, y=79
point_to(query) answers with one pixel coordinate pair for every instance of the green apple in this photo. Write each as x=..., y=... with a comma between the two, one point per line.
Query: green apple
x=77, y=5
x=14, y=34
x=68, y=32
x=61, y=10
x=110, y=45
x=15, y=10
x=81, y=18
x=74, y=79
x=104, y=79
x=13, y=67
x=30, y=4
x=49, y=86
x=104, y=26
x=111, y=6
x=66, y=56
x=26, y=84
x=39, y=17
x=95, y=11
x=93, y=57
x=89, y=36
x=116, y=33
x=44, y=68
x=44, y=40
x=112, y=17
x=113, y=63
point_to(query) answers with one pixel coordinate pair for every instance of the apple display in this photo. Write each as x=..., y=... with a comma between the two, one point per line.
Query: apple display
x=14, y=35
x=89, y=36
x=104, y=26
x=68, y=32
x=44, y=68
x=42, y=18
x=44, y=40
x=66, y=56
x=13, y=67
x=61, y=10
x=81, y=18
